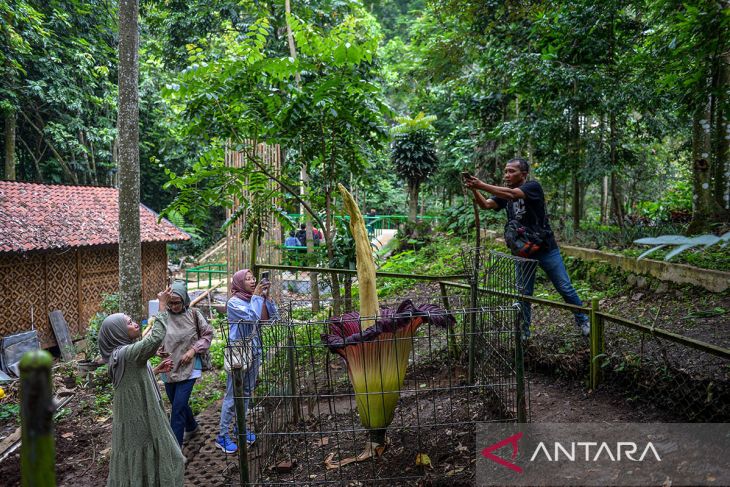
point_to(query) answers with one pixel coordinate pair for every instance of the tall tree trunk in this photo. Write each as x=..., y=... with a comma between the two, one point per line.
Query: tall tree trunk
x=604, y=200
x=10, y=125
x=575, y=143
x=412, y=202
x=304, y=178
x=617, y=200
x=336, y=299
x=130, y=258
x=721, y=138
x=313, y=276
x=703, y=204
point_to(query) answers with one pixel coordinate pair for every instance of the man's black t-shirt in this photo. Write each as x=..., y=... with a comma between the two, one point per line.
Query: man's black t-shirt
x=530, y=212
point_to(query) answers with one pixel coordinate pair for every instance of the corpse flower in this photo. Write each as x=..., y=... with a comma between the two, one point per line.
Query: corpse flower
x=377, y=358
x=375, y=346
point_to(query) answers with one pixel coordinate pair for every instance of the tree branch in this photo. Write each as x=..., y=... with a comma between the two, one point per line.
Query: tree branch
x=61, y=160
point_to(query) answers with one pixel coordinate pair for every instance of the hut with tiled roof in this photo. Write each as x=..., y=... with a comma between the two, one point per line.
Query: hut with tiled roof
x=59, y=250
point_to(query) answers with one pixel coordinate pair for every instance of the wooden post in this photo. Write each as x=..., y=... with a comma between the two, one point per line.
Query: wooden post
x=597, y=346
x=37, y=449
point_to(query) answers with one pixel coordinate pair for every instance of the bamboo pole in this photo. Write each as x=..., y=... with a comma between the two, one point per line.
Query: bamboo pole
x=37, y=450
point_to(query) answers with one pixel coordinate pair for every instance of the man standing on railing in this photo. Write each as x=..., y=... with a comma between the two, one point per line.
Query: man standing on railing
x=528, y=234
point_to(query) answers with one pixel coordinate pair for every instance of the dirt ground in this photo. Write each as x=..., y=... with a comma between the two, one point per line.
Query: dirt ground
x=83, y=438
x=83, y=441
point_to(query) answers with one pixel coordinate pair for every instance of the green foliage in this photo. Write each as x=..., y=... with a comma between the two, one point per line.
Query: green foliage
x=217, y=347
x=207, y=390
x=9, y=411
x=414, y=156
x=407, y=125
x=321, y=104
x=441, y=257
x=344, y=247
x=675, y=203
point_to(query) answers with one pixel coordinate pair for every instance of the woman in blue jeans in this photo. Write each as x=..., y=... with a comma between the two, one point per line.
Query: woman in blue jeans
x=188, y=334
x=246, y=309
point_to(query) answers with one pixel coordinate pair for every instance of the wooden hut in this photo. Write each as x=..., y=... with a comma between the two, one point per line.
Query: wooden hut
x=59, y=250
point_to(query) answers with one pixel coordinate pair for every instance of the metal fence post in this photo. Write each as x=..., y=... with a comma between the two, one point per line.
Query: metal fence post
x=597, y=345
x=450, y=335
x=520, y=369
x=473, y=300
x=238, y=400
x=292, y=375
x=37, y=448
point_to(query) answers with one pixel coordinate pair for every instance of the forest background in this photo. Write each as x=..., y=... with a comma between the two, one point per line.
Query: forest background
x=621, y=106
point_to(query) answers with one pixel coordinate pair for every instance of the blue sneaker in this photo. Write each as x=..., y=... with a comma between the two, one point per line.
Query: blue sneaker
x=250, y=437
x=226, y=444
x=585, y=328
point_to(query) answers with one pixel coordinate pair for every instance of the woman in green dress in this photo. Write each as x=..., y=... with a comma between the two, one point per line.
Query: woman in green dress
x=144, y=449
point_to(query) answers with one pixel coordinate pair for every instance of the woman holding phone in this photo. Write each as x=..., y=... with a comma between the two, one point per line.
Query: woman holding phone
x=144, y=450
x=248, y=306
x=188, y=335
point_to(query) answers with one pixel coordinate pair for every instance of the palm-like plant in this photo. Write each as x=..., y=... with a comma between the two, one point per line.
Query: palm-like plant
x=414, y=155
x=682, y=243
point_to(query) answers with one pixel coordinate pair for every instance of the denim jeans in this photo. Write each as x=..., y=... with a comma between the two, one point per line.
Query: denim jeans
x=181, y=416
x=228, y=409
x=552, y=263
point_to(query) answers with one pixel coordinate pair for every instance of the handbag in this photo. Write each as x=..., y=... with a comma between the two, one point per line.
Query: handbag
x=238, y=354
x=205, y=360
x=521, y=241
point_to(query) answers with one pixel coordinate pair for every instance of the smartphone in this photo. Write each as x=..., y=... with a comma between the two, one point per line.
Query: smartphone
x=466, y=175
x=265, y=275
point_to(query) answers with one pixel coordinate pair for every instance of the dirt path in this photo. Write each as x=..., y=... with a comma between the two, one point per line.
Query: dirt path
x=560, y=401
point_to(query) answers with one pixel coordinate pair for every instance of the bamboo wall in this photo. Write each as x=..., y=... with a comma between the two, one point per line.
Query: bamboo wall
x=238, y=251
x=73, y=281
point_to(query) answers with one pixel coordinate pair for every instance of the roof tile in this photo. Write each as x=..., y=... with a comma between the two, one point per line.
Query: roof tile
x=45, y=216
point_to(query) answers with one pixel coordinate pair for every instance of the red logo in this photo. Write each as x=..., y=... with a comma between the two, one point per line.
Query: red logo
x=487, y=452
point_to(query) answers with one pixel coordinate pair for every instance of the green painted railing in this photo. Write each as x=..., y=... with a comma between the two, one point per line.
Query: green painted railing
x=209, y=270
x=375, y=224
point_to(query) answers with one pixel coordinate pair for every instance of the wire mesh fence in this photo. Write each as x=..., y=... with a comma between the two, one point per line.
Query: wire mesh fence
x=681, y=379
x=360, y=401
x=688, y=383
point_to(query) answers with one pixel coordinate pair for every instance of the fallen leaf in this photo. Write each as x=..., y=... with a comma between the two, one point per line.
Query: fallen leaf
x=423, y=460
x=67, y=435
x=453, y=472
x=285, y=466
x=322, y=441
x=461, y=448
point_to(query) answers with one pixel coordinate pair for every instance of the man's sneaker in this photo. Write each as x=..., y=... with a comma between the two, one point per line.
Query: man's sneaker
x=585, y=328
x=250, y=438
x=188, y=435
x=226, y=444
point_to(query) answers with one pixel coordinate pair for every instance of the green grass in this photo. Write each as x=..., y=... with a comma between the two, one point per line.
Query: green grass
x=207, y=390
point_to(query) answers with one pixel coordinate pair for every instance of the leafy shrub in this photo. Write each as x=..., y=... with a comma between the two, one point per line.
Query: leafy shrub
x=9, y=411
x=459, y=219
x=674, y=204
